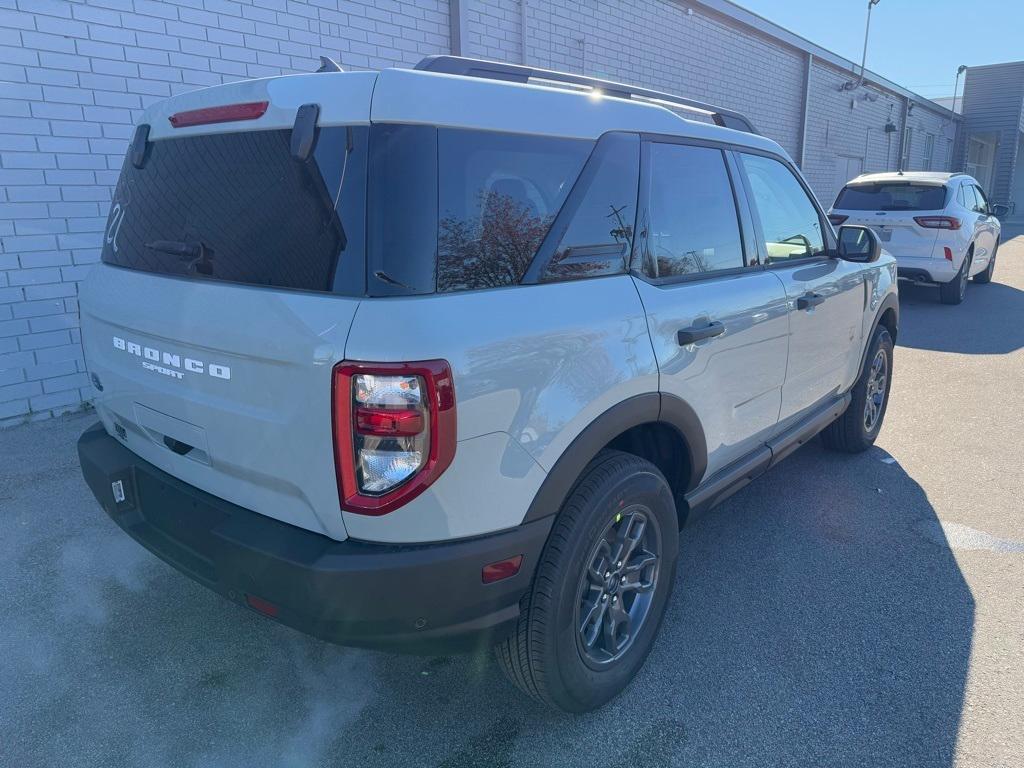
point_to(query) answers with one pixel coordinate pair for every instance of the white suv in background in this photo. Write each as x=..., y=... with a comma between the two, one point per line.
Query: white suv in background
x=939, y=226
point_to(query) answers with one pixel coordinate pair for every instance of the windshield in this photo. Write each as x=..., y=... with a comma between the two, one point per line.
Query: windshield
x=238, y=207
x=892, y=196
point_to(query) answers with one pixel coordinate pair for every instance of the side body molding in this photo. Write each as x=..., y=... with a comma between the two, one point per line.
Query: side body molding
x=651, y=407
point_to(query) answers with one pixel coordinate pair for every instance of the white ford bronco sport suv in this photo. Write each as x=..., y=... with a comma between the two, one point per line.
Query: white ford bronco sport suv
x=442, y=358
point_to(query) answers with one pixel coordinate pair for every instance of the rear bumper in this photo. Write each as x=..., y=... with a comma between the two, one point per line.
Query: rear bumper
x=421, y=599
x=925, y=270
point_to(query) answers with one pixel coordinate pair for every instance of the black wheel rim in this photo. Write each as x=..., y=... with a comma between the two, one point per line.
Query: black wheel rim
x=963, y=279
x=878, y=377
x=617, y=586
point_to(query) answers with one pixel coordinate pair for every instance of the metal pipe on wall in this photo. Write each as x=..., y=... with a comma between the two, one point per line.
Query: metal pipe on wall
x=806, y=110
x=523, y=28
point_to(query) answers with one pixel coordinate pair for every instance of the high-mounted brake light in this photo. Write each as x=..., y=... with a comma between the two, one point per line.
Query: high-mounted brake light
x=394, y=431
x=837, y=219
x=938, y=222
x=227, y=113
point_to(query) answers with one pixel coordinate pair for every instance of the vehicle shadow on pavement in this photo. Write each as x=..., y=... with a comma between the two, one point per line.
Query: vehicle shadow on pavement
x=819, y=618
x=990, y=321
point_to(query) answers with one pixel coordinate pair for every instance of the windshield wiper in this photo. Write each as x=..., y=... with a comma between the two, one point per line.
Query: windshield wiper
x=198, y=255
x=382, y=275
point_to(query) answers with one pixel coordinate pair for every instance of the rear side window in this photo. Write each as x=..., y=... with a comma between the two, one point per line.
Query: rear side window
x=691, y=222
x=497, y=197
x=789, y=220
x=900, y=196
x=238, y=207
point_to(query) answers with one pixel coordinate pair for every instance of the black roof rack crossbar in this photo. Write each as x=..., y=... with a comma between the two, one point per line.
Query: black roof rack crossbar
x=518, y=73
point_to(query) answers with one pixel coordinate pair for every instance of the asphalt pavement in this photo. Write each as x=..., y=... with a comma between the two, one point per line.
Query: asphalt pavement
x=840, y=611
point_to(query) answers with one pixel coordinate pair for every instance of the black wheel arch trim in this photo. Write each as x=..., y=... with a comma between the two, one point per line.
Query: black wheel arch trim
x=892, y=302
x=650, y=407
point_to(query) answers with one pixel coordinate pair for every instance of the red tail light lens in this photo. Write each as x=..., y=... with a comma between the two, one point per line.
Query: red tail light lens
x=837, y=219
x=394, y=431
x=938, y=222
x=228, y=113
x=947, y=252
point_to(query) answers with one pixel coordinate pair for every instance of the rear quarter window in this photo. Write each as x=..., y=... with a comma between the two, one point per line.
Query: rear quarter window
x=497, y=197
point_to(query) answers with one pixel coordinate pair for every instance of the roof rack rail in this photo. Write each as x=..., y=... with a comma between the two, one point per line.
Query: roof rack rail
x=517, y=73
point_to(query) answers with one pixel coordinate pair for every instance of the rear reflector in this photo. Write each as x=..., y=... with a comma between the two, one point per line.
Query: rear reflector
x=265, y=607
x=502, y=569
x=948, y=253
x=938, y=222
x=228, y=113
x=837, y=219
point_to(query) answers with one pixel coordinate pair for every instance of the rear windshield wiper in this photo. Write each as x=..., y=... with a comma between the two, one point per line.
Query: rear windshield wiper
x=198, y=255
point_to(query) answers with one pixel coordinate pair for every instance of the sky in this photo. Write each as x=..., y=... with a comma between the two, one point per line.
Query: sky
x=915, y=43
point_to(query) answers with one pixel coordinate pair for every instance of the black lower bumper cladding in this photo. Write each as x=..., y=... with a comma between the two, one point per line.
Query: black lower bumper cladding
x=414, y=598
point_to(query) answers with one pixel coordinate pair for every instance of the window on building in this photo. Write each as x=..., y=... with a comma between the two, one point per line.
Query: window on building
x=929, y=150
x=692, y=226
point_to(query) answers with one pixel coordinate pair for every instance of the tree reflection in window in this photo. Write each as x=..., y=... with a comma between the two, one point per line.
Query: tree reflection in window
x=491, y=252
x=498, y=194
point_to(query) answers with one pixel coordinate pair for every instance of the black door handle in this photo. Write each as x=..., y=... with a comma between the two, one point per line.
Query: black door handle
x=809, y=300
x=690, y=335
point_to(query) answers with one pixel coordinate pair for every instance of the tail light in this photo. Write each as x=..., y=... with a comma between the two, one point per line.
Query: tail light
x=947, y=252
x=837, y=219
x=394, y=432
x=938, y=222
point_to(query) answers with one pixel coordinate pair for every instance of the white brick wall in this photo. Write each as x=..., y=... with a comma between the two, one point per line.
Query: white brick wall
x=75, y=74
x=74, y=77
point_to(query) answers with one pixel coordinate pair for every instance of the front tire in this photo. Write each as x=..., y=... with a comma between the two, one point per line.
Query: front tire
x=856, y=430
x=955, y=290
x=600, y=589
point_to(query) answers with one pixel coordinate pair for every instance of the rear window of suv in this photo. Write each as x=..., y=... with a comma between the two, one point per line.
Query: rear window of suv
x=898, y=196
x=380, y=210
x=238, y=207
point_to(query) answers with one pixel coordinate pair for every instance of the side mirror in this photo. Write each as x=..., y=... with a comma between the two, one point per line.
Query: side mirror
x=858, y=243
x=998, y=210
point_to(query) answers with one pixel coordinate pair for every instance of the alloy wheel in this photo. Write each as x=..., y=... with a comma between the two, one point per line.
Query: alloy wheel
x=617, y=586
x=875, y=400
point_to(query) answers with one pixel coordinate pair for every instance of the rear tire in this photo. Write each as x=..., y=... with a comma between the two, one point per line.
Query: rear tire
x=588, y=579
x=985, y=276
x=954, y=291
x=855, y=431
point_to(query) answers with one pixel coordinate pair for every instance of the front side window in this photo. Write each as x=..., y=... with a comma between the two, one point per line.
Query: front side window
x=691, y=222
x=789, y=220
x=970, y=197
x=497, y=196
x=982, y=200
